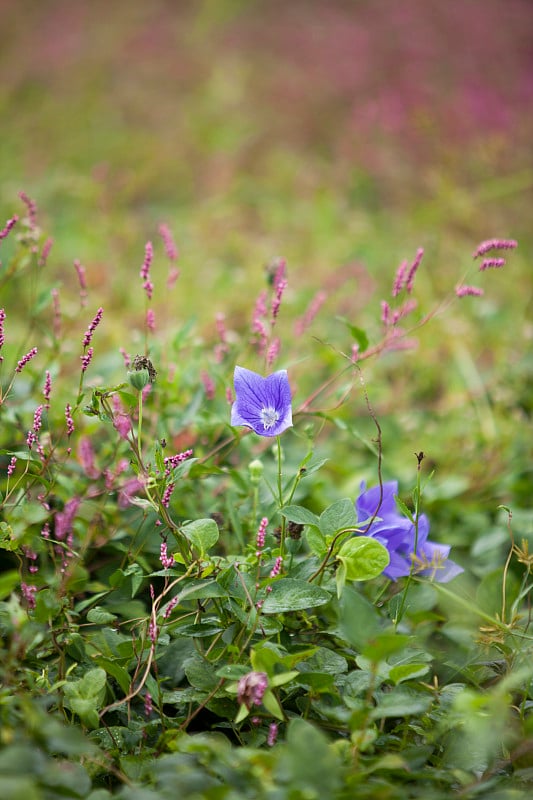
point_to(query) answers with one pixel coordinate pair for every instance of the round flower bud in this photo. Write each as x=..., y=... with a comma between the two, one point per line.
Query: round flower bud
x=255, y=469
x=139, y=379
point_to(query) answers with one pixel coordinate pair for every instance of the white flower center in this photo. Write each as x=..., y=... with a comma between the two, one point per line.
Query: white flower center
x=269, y=417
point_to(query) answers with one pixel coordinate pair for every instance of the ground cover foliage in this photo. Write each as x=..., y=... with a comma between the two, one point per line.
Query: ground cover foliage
x=198, y=597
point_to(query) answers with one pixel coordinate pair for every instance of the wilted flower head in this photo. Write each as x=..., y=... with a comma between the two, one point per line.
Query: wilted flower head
x=262, y=404
x=397, y=534
x=251, y=688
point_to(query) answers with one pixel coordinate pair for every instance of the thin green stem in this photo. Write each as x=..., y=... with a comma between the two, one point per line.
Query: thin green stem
x=405, y=592
x=280, y=499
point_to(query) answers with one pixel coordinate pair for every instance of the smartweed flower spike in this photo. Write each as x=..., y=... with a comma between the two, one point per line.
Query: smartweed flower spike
x=262, y=404
x=10, y=224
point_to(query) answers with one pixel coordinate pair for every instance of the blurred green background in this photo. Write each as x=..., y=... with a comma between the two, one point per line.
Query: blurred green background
x=341, y=135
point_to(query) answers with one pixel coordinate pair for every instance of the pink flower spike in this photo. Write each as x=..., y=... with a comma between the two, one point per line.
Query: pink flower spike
x=468, y=291
x=273, y=351
x=11, y=467
x=272, y=734
x=147, y=263
x=276, y=569
x=47, y=389
x=92, y=327
x=2, y=336
x=170, y=247
x=80, y=270
x=86, y=359
x=148, y=706
x=312, y=310
x=173, y=275
x=166, y=560
x=150, y=320
x=167, y=494
x=261, y=531
x=32, y=209
x=399, y=280
x=491, y=263
x=10, y=224
x=69, y=420
x=126, y=357
x=385, y=312
x=45, y=252
x=209, y=385
x=494, y=244
x=280, y=284
x=24, y=360
x=413, y=270
x=57, y=313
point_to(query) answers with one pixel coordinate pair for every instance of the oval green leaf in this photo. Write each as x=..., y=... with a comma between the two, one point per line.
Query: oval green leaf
x=364, y=558
x=290, y=594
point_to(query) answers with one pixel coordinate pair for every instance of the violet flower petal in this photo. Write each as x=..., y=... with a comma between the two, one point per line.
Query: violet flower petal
x=262, y=404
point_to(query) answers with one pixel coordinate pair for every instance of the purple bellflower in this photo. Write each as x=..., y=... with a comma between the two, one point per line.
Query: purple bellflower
x=262, y=404
x=397, y=534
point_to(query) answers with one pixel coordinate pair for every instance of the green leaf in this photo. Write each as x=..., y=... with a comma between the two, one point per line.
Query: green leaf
x=300, y=515
x=357, y=333
x=289, y=594
x=339, y=515
x=363, y=557
x=385, y=645
x=100, y=616
x=8, y=581
x=122, y=676
x=316, y=541
x=359, y=621
x=272, y=705
x=313, y=466
x=404, y=672
x=401, y=703
x=202, y=534
x=309, y=766
x=406, y=511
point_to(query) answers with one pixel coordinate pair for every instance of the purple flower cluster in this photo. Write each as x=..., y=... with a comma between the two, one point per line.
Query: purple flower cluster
x=251, y=688
x=397, y=534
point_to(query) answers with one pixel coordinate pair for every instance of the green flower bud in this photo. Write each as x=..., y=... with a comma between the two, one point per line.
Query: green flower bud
x=255, y=469
x=139, y=379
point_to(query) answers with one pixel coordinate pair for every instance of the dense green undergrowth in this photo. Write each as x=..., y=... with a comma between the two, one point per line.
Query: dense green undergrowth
x=194, y=608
